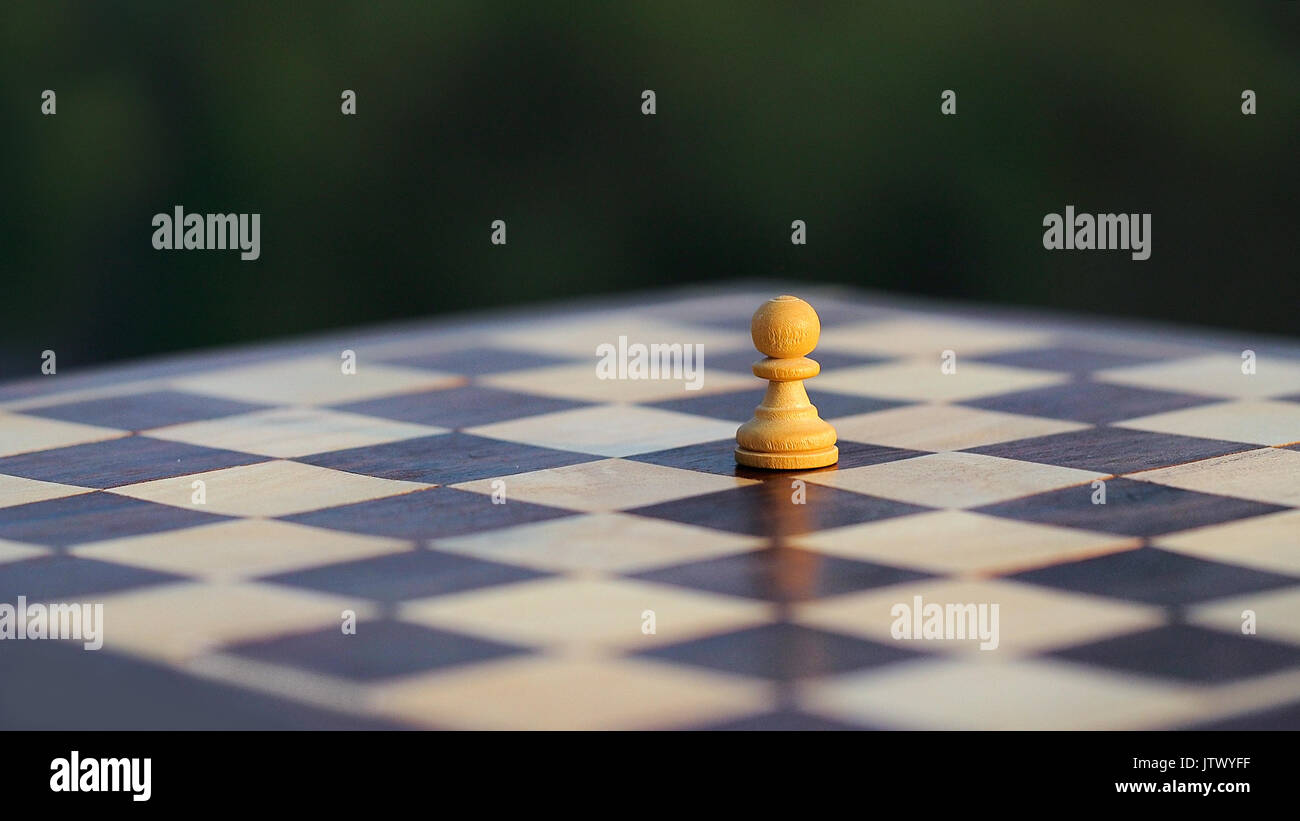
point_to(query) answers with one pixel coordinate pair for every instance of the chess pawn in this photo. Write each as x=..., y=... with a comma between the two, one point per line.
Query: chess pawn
x=786, y=432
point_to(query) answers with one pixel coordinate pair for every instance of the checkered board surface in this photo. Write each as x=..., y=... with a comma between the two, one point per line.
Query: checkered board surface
x=373, y=493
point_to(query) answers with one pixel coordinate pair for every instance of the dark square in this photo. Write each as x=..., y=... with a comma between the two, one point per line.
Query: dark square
x=729, y=312
x=1132, y=508
x=739, y=405
x=1285, y=717
x=769, y=509
x=778, y=721
x=142, y=411
x=459, y=407
x=379, y=649
x=402, y=576
x=57, y=685
x=734, y=311
x=855, y=455
x=782, y=652
x=840, y=312
x=783, y=574
x=119, y=462
x=1112, y=450
x=1095, y=402
x=720, y=457
x=479, y=361
x=1154, y=576
x=1067, y=359
x=742, y=361
x=67, y=578
x=92, y=517
x=428, y=514
x=1187, y=653
x=445, y=459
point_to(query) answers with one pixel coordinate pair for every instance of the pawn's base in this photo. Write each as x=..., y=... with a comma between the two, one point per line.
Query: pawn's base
x=790, y=460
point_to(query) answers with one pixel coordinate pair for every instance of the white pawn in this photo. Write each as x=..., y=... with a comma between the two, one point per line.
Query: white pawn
x=786, y=433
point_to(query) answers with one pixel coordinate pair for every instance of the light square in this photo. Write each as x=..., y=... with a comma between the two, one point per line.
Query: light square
x=927, y=337
x=1277, y=614
x=24, y=434
x=17, y=551
x=921, y=380
x=543, y=693
x=610, y=430
x=585, y=614
x=103, y=391
x=961, y=542
x=314, y=380
x=954, y=480
x=1030, y=619
x=1214, y=375
x=607, y=485
x=1270, y=542
x=945, y=427
x=15, y=490
x=1022, y=695
x=269, y=489
x=600, y=542
x=579, y=337
x=581, y=382
x=289, y=432
x=1260, y=422
x=243, y=549
x=1265, y=475
x=177, y=622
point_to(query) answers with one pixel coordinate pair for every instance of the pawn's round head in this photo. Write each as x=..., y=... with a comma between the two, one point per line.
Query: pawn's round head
x=785, y=327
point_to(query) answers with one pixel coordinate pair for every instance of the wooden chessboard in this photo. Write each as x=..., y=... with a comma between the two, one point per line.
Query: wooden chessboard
x=772, y=598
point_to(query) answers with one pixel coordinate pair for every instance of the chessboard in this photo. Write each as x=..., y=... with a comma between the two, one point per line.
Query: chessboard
x=459, y=524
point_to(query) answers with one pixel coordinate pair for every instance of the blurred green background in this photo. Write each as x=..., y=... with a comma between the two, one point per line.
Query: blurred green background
x=470, y=112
